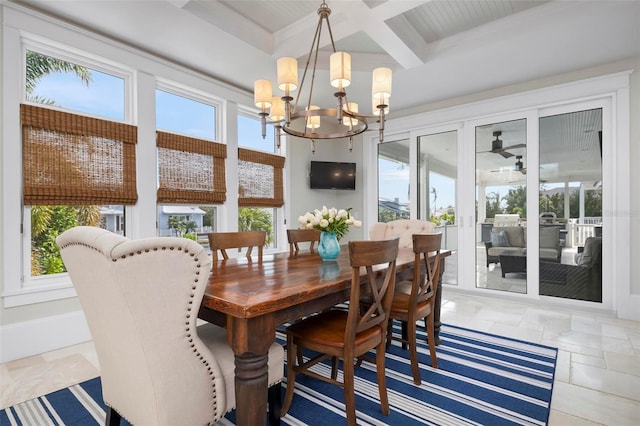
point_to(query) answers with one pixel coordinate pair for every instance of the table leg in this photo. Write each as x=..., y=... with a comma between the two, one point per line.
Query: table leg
x=251, y=381
x=250, y=340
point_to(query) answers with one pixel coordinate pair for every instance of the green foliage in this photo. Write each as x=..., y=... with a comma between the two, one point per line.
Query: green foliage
x=47, y=223
x=516, y=200
x=552, y=203
x=494, y=201
x=385, y=215
x=193, y=237
x=39, y=66
x=182, y=226
x=255, y=219
x=207, y=219
x=449, y=216
x=592, y=203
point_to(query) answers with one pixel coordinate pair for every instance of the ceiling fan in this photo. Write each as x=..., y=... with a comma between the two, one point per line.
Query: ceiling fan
x=519, y=167
x=497, y=148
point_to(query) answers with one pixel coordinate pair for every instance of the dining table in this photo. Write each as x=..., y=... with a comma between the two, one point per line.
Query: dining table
x=251, y=299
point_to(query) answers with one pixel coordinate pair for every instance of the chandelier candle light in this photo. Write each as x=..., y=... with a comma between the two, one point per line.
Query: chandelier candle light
x=333, y=224
x=344, y=121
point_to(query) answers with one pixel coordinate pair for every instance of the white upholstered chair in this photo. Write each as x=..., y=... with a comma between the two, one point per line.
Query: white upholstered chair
x=141, y=301
x=401, y=228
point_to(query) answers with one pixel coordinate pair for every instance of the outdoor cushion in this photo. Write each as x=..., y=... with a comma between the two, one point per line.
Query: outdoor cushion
x=515, y=234
x=591, y=253
x=499, y=239
x=509, y=251
x=549, y=238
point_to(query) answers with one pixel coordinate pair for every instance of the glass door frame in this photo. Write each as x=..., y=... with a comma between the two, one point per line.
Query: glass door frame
x=414, y=138
x=608, y=188
x=612, y=93
x=467, y=279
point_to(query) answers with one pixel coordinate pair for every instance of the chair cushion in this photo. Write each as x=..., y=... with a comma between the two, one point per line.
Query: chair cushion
x=510, y=251
x=548, y=253
x=592, y=252
x=216, y=340
x=499, y=239
x=515, y=235
x=549, y=237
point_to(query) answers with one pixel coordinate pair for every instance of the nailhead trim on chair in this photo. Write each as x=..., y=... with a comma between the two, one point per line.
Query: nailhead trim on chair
x=187, y=323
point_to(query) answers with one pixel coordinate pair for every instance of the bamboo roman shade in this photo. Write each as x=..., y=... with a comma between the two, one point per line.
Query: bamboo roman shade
x=259, y=179
x=190, y=170
x=70, y=159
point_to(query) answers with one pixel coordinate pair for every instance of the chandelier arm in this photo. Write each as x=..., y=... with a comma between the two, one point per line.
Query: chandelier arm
x=333, y=44
x=316, y=36
x=315, y=63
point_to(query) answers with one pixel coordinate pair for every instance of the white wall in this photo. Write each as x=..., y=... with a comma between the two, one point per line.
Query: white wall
x=300, y=199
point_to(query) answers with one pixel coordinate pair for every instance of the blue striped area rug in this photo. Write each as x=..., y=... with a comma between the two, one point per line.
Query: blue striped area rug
x=482, y=379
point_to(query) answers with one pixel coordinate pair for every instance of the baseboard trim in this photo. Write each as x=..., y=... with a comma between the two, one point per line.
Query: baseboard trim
x=23, y=339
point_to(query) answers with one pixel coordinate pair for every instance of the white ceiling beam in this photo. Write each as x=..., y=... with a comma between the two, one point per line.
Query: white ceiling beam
x=348, y=18
x=372, y=22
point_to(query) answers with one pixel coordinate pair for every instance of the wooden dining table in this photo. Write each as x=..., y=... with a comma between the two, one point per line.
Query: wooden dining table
x=250, y=299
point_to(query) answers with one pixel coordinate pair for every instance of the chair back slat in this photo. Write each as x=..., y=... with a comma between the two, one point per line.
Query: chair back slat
x=426, y=266
x=222, y=241
x=368, y=254
x=296, y=236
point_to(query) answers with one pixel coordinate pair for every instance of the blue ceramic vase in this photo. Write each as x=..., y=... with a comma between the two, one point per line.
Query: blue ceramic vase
x=329, y=248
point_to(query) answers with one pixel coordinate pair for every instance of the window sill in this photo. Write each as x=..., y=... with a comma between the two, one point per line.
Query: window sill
x=38, y=291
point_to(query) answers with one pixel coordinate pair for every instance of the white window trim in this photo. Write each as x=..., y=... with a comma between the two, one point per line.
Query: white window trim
x=19, y=287
x=44, y=34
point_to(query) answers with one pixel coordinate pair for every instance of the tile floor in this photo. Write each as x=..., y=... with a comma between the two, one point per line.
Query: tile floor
x=597, y=376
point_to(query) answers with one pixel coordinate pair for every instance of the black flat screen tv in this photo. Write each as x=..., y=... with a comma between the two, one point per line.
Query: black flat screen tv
x=332, y=175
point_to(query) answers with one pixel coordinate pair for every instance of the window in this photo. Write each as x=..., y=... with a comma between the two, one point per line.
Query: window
x=259, y=179
x=184, y=115
x=191, y=166
x=77, y=169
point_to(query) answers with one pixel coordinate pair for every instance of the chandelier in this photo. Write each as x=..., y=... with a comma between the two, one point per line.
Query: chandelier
x=308, y=120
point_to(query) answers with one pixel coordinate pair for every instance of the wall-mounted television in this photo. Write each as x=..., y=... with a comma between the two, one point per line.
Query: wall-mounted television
x=332, y=175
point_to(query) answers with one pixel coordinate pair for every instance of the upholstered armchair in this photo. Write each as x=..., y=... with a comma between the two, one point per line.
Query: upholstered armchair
x=401, y=228
x=141, y=300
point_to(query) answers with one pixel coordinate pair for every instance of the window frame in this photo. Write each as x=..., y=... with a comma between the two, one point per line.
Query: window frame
x=279, y=226
x=218, y=104
x=20, y=287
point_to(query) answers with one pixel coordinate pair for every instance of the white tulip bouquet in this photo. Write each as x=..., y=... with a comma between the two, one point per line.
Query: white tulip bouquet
x=329, y=220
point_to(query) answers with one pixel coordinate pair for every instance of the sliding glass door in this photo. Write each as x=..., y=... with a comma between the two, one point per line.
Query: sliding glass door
x=501, y=205
x=570, y=200
x=437, y=182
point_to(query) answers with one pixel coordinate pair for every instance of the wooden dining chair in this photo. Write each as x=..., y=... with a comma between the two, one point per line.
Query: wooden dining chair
x=414, y=300
x=222, y=241
x=296, y=236
x=349, y=334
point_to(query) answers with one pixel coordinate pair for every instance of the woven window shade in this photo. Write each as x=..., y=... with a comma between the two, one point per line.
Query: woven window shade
x=190, y=170
x=69, y=159
x=259, y=179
